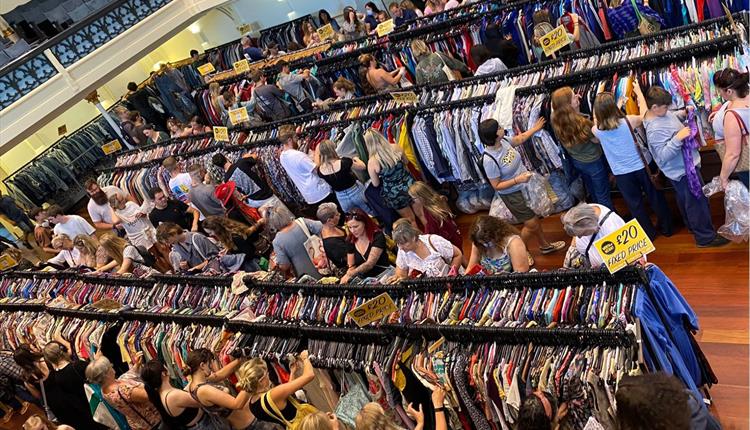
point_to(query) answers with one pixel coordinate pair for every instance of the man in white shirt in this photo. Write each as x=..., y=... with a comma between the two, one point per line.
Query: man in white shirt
x=301, y=169
x=68, y=255
x=180, y=184
x=98, y=206
x=70, y=225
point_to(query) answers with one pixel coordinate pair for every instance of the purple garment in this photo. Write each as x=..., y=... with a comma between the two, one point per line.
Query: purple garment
x=689, y=145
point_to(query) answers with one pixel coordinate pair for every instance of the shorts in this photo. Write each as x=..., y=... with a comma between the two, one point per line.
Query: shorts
x=516, y=204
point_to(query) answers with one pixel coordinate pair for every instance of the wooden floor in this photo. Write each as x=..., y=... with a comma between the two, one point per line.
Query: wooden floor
x=714, y=282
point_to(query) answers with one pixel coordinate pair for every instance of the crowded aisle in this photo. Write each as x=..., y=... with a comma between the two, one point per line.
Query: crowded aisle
x=403, y=230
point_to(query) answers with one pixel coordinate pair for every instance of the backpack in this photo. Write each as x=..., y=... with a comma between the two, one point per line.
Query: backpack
x=148, y=259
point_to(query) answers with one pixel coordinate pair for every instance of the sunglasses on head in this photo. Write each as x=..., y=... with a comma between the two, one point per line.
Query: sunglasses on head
x=354, y=216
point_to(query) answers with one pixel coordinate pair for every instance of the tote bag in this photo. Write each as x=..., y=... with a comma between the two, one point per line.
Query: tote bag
x=315, y=250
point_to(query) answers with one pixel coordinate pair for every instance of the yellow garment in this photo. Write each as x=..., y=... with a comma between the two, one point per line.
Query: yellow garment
x=406, y=146
x=8, y=224
x=631, y=104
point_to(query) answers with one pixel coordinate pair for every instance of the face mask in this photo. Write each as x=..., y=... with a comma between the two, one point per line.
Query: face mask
x=370, y=13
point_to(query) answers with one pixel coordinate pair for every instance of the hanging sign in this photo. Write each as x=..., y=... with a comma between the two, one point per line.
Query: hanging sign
x=624, y=246
x=326, y=32
x=221, y=134
x=206, y=69
x=111, y=147
x=6, y=262
x=373, y=310
x=554, y=40
x=62, y=130
x=242, y=66
x=384, y=28
x=238, y=115
x=405, y=97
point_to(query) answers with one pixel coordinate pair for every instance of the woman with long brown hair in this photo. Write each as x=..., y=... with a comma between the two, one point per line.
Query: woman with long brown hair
x=433, y=213
x=236, y=237
x=573, y=130
x=378, y=78
x=497, y=246
x=126, y=258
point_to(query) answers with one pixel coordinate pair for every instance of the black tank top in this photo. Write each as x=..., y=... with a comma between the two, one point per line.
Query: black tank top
x=185, y=417
x=256, y=407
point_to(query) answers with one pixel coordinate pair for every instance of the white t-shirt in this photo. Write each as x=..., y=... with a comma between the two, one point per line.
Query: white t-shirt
x=435, y=264
x=75, y=226
x=71, y=257
x=139, y=230
x=301, y=170
x=101, y=213
x=180, y=187
x=612, y=223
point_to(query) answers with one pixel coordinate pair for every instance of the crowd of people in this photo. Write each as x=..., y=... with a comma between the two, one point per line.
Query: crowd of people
x=145, y=397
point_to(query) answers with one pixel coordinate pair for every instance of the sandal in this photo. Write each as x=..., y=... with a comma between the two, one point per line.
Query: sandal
x=553, y=247
x=531, y=259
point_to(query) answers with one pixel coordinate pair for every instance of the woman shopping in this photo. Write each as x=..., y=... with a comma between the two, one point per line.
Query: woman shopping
x=339, y=174
x=429, y=254
x=731, y=124
x=367, y=254
x=434, y=214
x=178, y=409
x=497, y=247
x=387, y=172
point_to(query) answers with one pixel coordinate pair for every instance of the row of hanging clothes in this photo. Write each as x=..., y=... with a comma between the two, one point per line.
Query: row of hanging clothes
x=285, y=33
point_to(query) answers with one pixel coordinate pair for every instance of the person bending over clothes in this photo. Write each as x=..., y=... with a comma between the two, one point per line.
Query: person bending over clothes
x=194, y=251
x=586, y=223
x=429, y=254
x=236, y=238
x=334, y=238
x=367, y=255
x=178, y=409
x=92, y=254
x=497, y=247
x=434, y=214
x=67, y=254
x=289, y=243
x=126, y=258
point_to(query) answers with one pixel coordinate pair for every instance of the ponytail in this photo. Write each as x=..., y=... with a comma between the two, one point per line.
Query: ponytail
x=151, y=377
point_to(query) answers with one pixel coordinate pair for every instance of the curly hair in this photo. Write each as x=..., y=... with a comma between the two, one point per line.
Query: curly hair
x=571, y=127
x=224, y=229
x=489, y=230
x=654, y=401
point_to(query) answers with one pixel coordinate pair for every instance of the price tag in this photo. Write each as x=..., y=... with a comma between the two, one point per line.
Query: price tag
x=206, y=69
x=6, y=262
x=385, y=27
x=326, y=32
x=242, y=66
x=373, y=310
x=238, y=115
x=111, y=147
x=405, y=97
x=221, y=134
x=624, y=246
x=554, y=40
x=62, y=130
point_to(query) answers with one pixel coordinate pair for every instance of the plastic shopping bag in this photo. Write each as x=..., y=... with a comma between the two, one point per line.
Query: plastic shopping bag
x=736, y=207
x=537, y=196
x=499, y=210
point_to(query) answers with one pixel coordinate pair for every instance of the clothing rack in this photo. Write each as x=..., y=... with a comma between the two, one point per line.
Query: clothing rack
x=83, y=314
x=184, y=319
x=197, y=280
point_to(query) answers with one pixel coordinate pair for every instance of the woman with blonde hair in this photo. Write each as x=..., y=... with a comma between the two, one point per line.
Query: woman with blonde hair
x=126, y=258
x=432, y=67
x=434, y=214
x=339, y=174
x=573, y=130
x=378, y=78
x=320, y=421
x=409, y=5
x=88, y=248
x=253, y=378
x=373, y=417
x=497, y=247
x=216, y=98
x=387, y=171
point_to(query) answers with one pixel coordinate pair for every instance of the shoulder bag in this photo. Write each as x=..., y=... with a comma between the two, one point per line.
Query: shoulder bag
x=743, y=164
x=303, y=410
x=654, y=176
x=315, y=249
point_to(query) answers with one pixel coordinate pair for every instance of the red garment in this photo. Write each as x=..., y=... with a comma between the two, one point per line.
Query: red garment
x=448, y=229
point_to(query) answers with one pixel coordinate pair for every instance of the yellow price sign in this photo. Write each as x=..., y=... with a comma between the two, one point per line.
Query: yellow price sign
x=238, y=115
x=111, y=147
x=326, y=32
x=6, y=262
x=554, y=40
x=385, y=27
x=373, y=310
x=242, y=66
x=221, y=134
x=405, y=97
x=205, y=69
x=624, y=246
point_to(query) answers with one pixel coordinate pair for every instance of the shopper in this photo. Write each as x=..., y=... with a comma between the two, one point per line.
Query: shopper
x=352, y=28
x=67, y=254
x=254, y=379
x=334, y=238
x=179, y=182
x=573, y=130
x=373, y=417
x=230, y=100
x=236, y=238
x=435, y=67
x=126, y=394
x=10, y=209
x=507, y=175
x=176, y=128
x=245, y=174
x=379, y=79
x=401, y=15
x=270, y=99
x=88, y=249
x=654, y=401
x=325, y=18
x=204, y=374
x=343, y=89
x=432, y=7
x=138, y=100
x=198, y=126
x=70, y=225
x=273, y=51
x=732, y=122
x=64, y=386
x=434, y=214
x=614, y=131
x=250, y=52
x=289, y=243
x=203, y=196
x=126, y=258
x=587, y=223
x=193, y=251
x=307, y=34
x=501, y=45
x=320, y=421
x=409, y=5
x=666, y=135
x=128, y=126
x=301, y=170
x=178, y=409
x=387, y=172
x=429, y=254
x=294, y=84
x=367, y=253
x=138, y=228
x=486, y=63
x=42, y=230
x=170, y=210
x=339, y=174
x=540, y=410
x=371, y=13
x=497, y=247
x=38, y=422
x=98, y=206
x=154, y=136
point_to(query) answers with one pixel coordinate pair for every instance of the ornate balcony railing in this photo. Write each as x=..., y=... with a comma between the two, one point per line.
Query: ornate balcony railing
x=27, y=72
